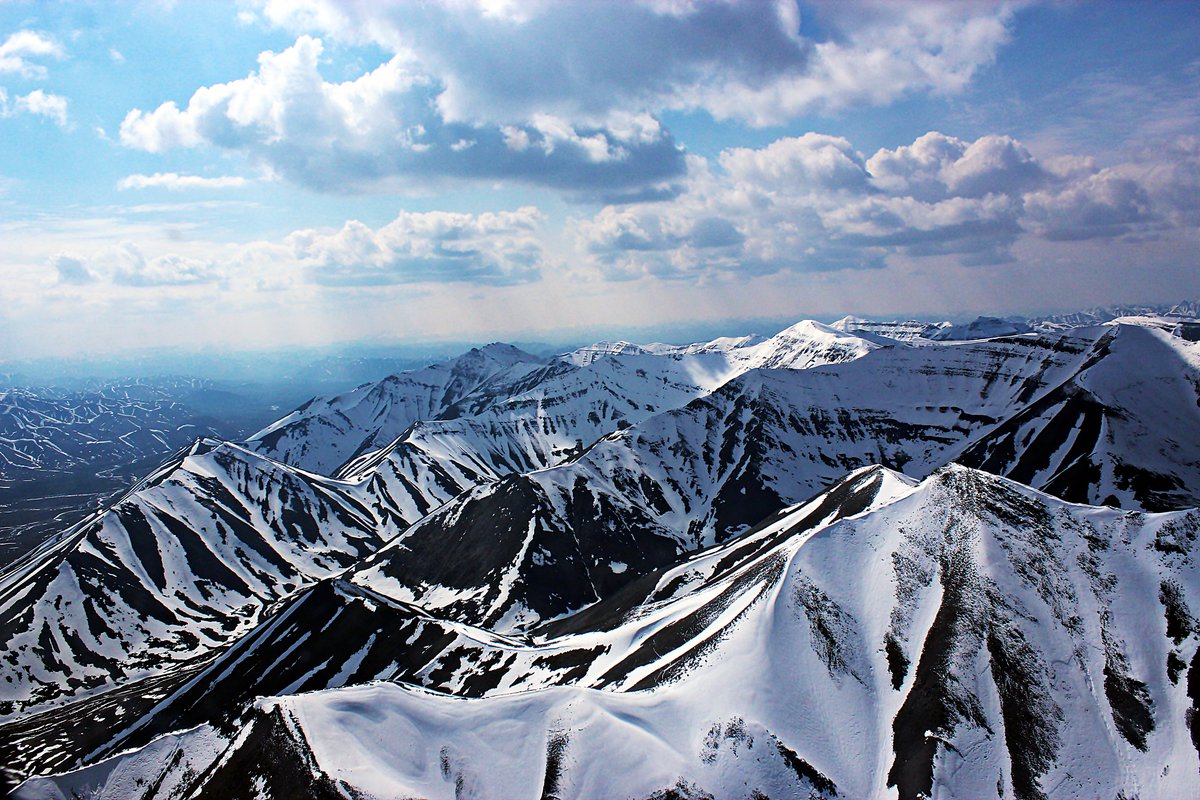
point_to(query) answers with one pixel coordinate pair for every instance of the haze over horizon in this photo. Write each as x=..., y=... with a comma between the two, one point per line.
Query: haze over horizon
x=261, y=174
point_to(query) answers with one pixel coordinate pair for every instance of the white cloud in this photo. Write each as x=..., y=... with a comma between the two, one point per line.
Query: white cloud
x=71, y=270
x=992, y=164
x=494, y=248
x=176, y=182
x=755, y=62
x=813, y=161
x=490, y=248
x=560, y=94
x=126, y=265
x=43, y=104
x=936, y=166
x=916, y=169
x=811, y=203
x=384, y=125
x=1099, y=205
x=17, y=50
x=37, y=103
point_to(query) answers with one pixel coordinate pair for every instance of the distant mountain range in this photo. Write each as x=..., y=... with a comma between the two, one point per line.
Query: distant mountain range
x=842, y=561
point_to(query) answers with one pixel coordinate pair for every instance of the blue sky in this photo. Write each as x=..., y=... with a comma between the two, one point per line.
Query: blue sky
x=243, y=175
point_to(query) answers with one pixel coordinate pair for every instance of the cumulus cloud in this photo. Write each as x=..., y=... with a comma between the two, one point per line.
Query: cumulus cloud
x=936, y=166
x=175, y=182
x=384, y=125
x=43, y=104
x=125, y=265
x=495, y=248
x=560, y=94
x=1170, y=175
x=442, y=247
x=813, y=203
x=37, y=103
x=760, y=62
x=1100, y=205
x=813, y=161
x=18, y=51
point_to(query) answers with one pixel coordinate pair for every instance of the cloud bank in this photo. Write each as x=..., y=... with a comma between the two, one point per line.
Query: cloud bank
x=812, y=203
x=566, y=95
x=494, y=248
x=384, y=125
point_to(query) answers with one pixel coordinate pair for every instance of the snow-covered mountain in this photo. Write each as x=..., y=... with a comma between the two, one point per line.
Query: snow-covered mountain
x=773, y=565
x=337, y=435
x=1184, y=310
x=965, y=635
x=980, y=328
x=701, y=474
x=805, y=344
x=189, y=559
x=325, y=433
x=911, y=330
x=185, y=562
x=690, y=477
x=1123, y=431
x=1182, y=318
x=525, y=417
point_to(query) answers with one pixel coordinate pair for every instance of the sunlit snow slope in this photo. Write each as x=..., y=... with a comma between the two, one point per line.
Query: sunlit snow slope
x=966, y=633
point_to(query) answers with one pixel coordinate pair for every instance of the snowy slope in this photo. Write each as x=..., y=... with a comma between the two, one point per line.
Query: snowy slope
x=379, y=638
x=805, y=344
x=980, y=328
x=325, y=433
x=698, y=475
x=558, y=506
x=544, y=417
x=900, y=330
x=966, y=636
x=184, y=563
x=688, y=478
x=1185, y=310
x=530, y=416
x=1124, y=431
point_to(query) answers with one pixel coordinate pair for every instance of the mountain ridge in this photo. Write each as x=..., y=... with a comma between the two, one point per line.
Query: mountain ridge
x=572, y=533
x=1018, y=576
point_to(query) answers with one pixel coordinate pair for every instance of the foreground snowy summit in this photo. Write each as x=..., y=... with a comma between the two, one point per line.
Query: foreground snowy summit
x=885, y=638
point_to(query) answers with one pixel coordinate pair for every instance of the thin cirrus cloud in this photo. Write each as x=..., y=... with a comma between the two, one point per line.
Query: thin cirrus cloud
x=176, y=182
x=812, y=203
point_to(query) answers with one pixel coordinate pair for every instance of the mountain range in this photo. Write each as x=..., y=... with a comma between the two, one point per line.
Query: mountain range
x=859, y=560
